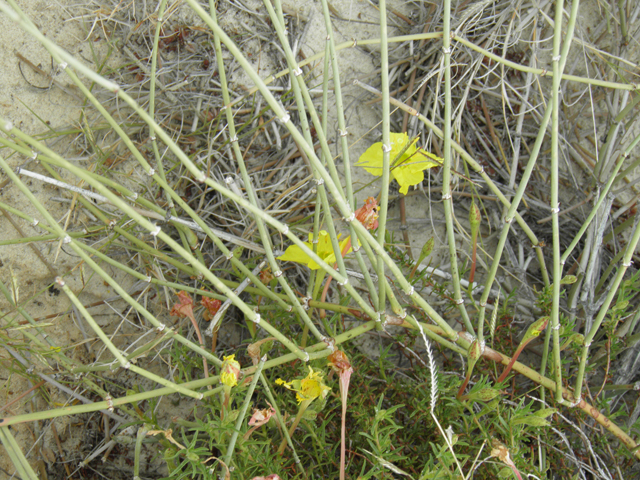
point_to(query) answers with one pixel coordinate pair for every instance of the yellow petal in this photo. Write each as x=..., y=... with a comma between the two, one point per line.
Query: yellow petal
x=409, y=171
x=407, y=162
x=407, y=177
x=308, y=388
x=324, y=250
x=294, y=253
x=371, y=159
x=343, y=243
x=398, y=143
x=228, y=379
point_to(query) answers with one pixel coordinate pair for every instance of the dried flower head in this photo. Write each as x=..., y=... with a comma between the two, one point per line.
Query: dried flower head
x=266, y=275
x=184, y=308
x=211, y=305
x=500, y=451
x=367, y=214
x=261, y=416
x=339, y=361
x=254, y=349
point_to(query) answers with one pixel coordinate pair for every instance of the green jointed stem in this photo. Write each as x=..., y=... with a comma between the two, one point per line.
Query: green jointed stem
x=475, y=219
x=142, y=161
x=555, y=76
x=475, y=166
x=124, y=363
x=152, y=103
x=155, y=231
x=297, y=81
x=79, y=249
x=337, y=93
x=386, y=152
x=301, y=409
x=557, y=267
x=605, y=154
x=543, y=72
x=243, y=411
x=313, y=286
x=491, y=354
x=264, y=235
x=604, y=309
x=37, y=239
x=447, y=199
x=626, y=154
x=281, y=423
x=612, y=265
x=14, y=450
x=303, y=98
x=603, y=194
x=515, y=202
x=285, y=231
x=114, y=402
x=431, y=36
x=316, y=351
x=60, y=55
x=561, y=64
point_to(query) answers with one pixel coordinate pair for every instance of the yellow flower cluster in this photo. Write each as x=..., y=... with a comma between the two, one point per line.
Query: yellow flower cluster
x=230, y=371
x=308, y=388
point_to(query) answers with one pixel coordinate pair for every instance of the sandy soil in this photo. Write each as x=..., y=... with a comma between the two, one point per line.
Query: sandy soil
x=33, y=105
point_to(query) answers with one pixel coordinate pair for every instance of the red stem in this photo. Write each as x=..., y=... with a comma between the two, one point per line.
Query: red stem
x=510, y=364
x=464, y=385
x=204, y=360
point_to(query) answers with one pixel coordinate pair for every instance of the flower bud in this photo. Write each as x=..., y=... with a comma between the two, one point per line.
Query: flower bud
x=475, y=351
x=427, y=248
x=482, y=395
x=474, y=217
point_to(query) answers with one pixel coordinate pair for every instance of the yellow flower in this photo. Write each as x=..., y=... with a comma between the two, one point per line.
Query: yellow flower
x=307, y=389
x=230, y=371
x=408, y=168
x=325, y=251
